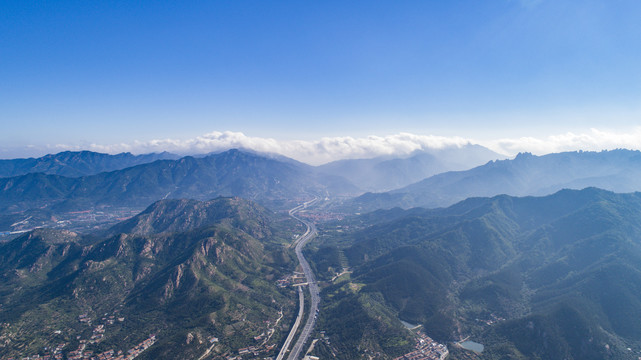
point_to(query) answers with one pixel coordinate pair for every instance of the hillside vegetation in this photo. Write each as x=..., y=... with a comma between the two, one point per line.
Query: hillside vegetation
x=562, y=273
x=183, y=270
x=231, y=173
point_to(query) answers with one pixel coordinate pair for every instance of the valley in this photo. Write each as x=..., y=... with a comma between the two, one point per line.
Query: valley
x=312, y=286
x=77, y=221
x=320, y=180
x=229, y=278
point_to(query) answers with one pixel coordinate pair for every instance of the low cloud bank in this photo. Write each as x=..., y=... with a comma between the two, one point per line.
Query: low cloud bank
x=312, y=152
x=593, y=140
x=335, y=148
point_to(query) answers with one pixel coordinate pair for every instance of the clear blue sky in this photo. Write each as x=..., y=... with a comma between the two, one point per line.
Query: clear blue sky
x=119, y=71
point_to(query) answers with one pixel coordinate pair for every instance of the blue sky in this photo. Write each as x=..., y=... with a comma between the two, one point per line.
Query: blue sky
x=81, y=73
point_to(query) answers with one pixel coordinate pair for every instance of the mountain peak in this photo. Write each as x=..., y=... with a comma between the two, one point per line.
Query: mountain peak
x=52, y=236
x=180, y=215
x=523, y=155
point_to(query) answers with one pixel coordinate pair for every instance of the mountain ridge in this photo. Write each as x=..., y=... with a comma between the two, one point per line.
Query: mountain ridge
x=77, y=163
x=544, y=265
x=229, y=173
x=195, y=281
x=526, y=174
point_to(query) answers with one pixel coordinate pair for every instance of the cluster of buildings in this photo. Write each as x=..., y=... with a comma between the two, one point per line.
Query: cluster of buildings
x=56, y=355
x=426, y=349
x=88, y=219
x=74, y=221
x=294, y=279
x=81, y=354
x=254, y=351
x=492, y=320
x=97, y=335
x=321, y=216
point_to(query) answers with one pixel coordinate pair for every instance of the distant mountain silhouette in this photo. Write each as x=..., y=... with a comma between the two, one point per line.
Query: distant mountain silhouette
x=387, y=173
x=77, y=163
x=527, y=174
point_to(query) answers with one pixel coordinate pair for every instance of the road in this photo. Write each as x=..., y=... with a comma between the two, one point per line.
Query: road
x=292, y=332
x=313, y=288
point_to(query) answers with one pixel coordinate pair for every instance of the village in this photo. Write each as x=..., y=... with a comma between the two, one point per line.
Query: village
x=256, y=351
x=491, y=321
x=263, y=347
x=426, y=349
x=72, y=221
x=98, y=334
x=296, y=279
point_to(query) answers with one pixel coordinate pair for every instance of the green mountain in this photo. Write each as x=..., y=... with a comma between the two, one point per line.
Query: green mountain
x=616, y=170
x=555, y=277
x=231, y=173
x=77, y=163
x=180, y=215
x=184, y=271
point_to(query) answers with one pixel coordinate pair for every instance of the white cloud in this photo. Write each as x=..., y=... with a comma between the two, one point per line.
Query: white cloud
x=314, y=152
x=593, y=140
x=334, y=148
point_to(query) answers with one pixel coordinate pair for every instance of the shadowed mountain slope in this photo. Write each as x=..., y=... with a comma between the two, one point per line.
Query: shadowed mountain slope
x=77, y=163
x=231, y=173
x=562, y=270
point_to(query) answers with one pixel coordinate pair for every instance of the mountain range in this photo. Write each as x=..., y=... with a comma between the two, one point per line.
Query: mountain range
x=75, y=181
x=497, y=254
x=182, y=279
x=231, y=173
x=555, y=277
x=509, y=272
x=527, y=174
x=77, y=163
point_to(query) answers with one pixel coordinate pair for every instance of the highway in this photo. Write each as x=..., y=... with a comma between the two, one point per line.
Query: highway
x=292, y=332
x=313, y=289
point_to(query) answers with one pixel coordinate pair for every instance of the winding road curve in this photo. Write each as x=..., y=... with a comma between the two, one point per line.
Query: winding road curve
x=313, y=290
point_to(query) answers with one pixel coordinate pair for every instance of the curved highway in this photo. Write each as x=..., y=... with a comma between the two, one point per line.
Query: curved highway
x=313, y=288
